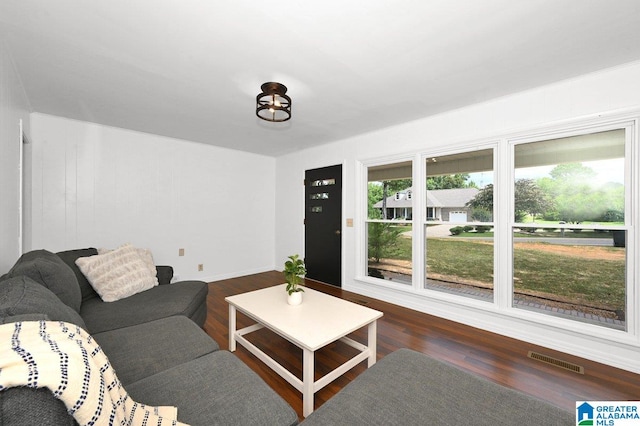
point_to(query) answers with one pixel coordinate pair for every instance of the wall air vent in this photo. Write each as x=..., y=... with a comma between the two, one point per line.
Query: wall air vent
x=557, y=362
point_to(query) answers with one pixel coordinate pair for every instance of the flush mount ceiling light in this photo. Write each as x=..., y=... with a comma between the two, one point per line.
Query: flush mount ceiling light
x=273, y=104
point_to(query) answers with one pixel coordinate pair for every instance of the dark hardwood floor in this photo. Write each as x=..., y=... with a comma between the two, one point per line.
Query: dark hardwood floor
x=500, y=359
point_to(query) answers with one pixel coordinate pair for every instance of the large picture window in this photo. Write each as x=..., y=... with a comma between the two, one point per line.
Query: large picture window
x=569, y=251
x=389, y=222
x=538, y=227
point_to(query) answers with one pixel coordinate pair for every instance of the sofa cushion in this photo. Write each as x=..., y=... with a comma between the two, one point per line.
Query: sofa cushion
x=69, y=257
x=22, y=406
x=23, y=317
x=21, y=295
x=145, y=255
x=185, y=298
x=117, y=274
x=155, y=346
x=411, y=388
x=49, y=270
x=216, y=389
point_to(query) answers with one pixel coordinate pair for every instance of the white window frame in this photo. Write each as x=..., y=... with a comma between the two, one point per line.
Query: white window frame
x=363, y=265
x=632, y=199
x=503, y=222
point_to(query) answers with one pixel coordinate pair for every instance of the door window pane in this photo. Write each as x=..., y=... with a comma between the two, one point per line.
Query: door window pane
x=569, y=240
x=319, y=196
x=324, y=182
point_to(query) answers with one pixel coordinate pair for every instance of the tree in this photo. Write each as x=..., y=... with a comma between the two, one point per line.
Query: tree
x=483, y=199
x=529, y=199
x=577, y=198
x=394, y=186
x=458, y=180
x=374, y=194
x=572, y=172
x=382, y=238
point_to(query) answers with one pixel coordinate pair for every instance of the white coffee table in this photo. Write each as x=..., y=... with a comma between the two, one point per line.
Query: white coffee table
x=320, y=319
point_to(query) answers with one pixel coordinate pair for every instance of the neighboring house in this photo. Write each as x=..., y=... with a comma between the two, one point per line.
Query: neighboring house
x=448, y=205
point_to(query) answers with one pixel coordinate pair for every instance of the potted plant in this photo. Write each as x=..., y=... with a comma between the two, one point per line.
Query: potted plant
x=294, y=271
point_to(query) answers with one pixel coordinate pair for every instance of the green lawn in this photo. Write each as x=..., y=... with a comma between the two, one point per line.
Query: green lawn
x=596, y=280
x=599, y=282
x=472, y=260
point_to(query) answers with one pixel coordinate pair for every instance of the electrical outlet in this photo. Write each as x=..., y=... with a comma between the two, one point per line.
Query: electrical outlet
x=200, y=267
x=181, y=252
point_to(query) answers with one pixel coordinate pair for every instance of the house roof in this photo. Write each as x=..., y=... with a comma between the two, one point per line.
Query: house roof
x=192, y=70
x=449, y=198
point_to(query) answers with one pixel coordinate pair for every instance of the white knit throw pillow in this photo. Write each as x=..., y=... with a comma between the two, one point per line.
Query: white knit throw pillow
x=117, y=274
x=145, y=255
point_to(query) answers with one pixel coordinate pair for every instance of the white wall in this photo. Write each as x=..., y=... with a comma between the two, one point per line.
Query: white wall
x=593, y=94
x=99, y=186
x=14, y=106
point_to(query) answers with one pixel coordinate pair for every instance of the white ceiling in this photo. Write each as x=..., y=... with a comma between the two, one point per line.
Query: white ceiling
x=192, y=69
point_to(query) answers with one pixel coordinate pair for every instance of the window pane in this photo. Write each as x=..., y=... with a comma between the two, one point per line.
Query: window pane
x=578, y=276
x=460, y=265
x=390, y=248
x=571, y=271
x=389, y=190
x=389, y=239
x=573, y=180
x=459, y=243
x=460, y=187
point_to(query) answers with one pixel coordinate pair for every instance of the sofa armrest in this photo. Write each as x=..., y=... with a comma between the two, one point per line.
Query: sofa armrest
x=165, y=274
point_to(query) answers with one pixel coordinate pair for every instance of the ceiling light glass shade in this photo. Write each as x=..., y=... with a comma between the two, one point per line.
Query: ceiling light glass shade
x=273, y=104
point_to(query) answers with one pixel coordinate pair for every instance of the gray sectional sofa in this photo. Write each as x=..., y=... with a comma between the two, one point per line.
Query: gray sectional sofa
x=162, y=356
x=153, y=339
x=410, y=388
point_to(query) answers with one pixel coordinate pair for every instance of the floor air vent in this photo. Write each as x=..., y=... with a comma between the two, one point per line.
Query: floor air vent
x=557, y=362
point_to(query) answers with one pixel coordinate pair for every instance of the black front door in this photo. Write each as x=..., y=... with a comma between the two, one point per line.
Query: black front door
x=323, y=224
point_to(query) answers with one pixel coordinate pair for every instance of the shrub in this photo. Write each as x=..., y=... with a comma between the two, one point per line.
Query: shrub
x=481, y=215
x=467, y=228
x=482, y=229
x=456, y=230
x=613, y=216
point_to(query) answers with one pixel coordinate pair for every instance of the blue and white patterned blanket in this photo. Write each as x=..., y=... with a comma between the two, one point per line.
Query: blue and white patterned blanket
x=65, y=359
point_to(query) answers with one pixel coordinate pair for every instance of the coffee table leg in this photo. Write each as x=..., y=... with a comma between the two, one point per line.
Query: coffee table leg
x=308, y=368
x=232, y=328
x=372, y=343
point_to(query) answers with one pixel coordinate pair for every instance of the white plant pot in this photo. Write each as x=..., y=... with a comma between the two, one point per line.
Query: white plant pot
x=294, y=298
